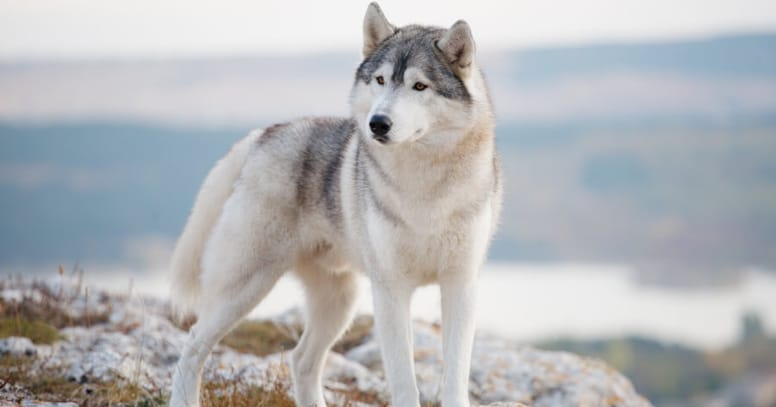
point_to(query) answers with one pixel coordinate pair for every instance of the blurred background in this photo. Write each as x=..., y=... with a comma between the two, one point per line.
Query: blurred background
x=638, y=142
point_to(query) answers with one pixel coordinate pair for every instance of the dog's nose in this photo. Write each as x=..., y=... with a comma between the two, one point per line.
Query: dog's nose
x=380, y=126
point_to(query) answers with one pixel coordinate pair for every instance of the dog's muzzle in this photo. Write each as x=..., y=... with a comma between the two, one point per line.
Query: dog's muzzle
x=380, y=126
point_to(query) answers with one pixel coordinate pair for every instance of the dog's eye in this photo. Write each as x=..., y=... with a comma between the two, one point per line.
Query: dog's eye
x=419, y=86
x=380, y=80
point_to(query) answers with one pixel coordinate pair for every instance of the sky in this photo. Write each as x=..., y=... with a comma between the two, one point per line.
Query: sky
x=94, y=29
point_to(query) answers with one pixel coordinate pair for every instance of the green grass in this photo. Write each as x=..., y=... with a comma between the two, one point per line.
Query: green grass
x=39, y=317
x=260, y=338
x=37, y=331
x=355, y=335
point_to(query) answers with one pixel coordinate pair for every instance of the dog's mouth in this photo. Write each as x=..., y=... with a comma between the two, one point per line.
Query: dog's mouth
x=385, y=139
x=381, y=138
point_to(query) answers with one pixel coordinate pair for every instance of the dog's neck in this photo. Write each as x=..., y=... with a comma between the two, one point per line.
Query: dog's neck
x=418, y=171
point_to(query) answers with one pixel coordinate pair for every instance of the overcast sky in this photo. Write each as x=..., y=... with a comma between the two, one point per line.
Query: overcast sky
x=159, y=28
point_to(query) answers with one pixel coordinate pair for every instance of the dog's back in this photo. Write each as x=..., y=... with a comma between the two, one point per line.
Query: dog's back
x=406, y=190
x=296, y=167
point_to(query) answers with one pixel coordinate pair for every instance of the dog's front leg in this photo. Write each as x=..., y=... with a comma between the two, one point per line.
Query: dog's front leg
x=458, y=325
x=394, y=330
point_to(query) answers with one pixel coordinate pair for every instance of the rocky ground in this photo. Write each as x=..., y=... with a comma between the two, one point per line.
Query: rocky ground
x=92, y=348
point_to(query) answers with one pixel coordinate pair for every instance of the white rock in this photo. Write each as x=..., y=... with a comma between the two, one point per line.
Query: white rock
x=543, y=378
x=17, y=346
x=340, y=369
x=367, y=354
x=139, y=344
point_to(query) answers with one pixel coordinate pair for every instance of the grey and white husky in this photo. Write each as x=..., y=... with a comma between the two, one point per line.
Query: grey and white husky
x=407, y=191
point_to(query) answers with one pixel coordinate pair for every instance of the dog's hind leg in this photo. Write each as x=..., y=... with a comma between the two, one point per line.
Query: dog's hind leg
x=243, y=260
x=330, y=305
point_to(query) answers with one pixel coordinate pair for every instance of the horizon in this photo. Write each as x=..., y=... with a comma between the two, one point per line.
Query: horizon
x=343, y=52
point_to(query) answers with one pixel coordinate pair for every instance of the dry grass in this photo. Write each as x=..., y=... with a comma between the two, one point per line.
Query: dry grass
x=231, y=394
x=24, y=377
x=38, y=314
x=42, y=310
x=49, y=306
x=27, y=378
x=353, y=397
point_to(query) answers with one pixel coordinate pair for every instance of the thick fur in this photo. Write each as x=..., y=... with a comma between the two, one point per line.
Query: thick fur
x=186, y=258
x=327, y=198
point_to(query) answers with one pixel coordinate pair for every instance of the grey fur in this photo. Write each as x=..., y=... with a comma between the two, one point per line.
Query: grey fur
x=361, y=165
x=375, y=165
x=320, y=164
x=415, y=46
x=321, y=197
x=271, y=132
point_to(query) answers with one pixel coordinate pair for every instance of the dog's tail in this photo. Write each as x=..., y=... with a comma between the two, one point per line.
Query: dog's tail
x=185, y=264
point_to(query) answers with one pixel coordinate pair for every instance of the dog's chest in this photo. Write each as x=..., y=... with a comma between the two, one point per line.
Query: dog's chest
x=423, y=254
x=415, y=219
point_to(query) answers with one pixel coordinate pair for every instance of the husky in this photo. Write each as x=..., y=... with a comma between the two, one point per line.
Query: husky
x=406, y=190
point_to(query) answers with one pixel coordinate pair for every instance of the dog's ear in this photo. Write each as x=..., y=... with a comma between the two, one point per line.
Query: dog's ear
x=376, y=28
x=457, y=45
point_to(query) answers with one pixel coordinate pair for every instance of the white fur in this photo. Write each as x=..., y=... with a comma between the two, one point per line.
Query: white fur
x=244, y=232
x=185, y=262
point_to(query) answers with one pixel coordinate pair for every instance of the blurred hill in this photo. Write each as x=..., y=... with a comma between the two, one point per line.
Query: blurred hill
x=661, y=155
x=743, y=374
x=708, y=81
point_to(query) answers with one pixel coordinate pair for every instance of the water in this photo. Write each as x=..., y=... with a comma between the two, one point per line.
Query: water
x=530, y=302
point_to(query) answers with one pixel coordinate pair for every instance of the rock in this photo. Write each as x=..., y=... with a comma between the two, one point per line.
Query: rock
x=543, y=378
x=367, y=354
x=145, y=354
x=17, y=346
x=138, y=343
x=342, y=370
x=502, y=372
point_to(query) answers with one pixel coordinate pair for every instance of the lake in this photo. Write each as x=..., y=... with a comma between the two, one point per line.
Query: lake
x=531, y=302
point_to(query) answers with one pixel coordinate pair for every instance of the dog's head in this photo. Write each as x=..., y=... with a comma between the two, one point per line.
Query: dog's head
x=415, y=84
